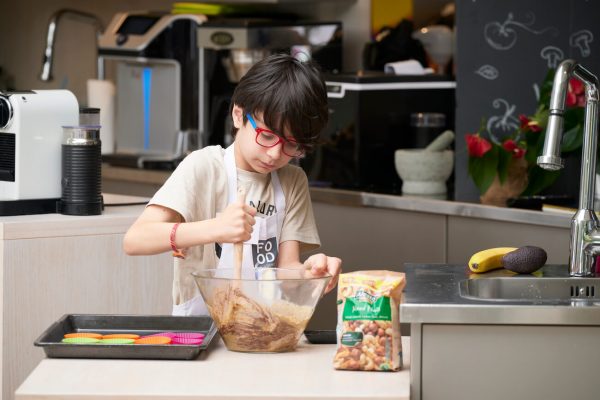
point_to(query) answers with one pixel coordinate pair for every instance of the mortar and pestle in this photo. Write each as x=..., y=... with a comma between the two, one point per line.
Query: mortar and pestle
x=425, y=171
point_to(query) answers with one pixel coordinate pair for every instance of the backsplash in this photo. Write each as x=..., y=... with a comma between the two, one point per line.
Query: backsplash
x=504, y=50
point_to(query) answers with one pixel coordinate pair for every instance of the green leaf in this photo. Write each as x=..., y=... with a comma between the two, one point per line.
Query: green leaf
x=503, y=160
x=572, y=139
x=539, y=179
x=535, y=143
x=546, y=88
x=483, y=169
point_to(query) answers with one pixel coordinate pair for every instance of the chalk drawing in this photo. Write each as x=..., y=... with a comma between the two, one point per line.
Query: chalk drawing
x=503, y=36
x=553, y=56
x=500, y=125
x=488, y=72
x=581, y=40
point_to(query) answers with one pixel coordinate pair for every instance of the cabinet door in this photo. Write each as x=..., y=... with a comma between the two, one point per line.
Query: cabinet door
x=469, y=235
x=373, y=238
x=502, y=362
x=45, y=278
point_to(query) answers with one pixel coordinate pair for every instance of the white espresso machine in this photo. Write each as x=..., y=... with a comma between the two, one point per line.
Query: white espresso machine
x=30, y=148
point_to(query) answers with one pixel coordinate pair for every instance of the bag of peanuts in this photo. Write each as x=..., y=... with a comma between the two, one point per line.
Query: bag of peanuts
x=368, y=325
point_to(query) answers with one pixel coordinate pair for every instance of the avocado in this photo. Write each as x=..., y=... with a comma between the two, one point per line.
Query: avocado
x=525, y=260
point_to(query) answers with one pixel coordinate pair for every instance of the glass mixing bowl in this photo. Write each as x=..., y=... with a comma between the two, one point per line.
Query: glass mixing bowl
x=264, y=311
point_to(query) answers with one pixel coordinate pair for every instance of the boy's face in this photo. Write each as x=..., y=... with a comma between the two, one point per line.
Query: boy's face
x=252, y=156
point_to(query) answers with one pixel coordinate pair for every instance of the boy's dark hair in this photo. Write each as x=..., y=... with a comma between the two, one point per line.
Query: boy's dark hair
x=288, y=92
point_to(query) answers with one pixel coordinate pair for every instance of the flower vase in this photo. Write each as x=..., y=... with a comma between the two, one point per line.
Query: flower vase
x=514, y=184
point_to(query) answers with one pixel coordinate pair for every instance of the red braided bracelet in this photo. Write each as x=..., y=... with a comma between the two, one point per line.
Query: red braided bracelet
x=179, y=253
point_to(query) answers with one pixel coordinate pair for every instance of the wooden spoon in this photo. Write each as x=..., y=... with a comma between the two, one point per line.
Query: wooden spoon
x=238, y=248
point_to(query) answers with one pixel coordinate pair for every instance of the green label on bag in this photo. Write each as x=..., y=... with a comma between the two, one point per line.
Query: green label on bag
x=351, y=339
x=367, y=307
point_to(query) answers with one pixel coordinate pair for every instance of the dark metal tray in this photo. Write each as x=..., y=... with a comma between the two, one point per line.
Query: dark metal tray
x=321, y=336
x=142, y=325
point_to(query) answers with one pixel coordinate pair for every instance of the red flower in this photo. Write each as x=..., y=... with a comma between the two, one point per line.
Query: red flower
x=510, y=146
x=528, y=124
x=476, y=145
x=576, y=93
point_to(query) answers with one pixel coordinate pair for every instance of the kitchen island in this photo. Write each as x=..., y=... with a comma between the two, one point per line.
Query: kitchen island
x=55, y=264
x=306, y=373
x=500, y=335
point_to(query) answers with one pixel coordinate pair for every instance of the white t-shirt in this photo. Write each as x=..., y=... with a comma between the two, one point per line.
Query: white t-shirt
x=197, y=190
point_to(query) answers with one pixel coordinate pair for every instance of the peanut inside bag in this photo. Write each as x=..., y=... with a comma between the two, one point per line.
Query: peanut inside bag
x=368, y=325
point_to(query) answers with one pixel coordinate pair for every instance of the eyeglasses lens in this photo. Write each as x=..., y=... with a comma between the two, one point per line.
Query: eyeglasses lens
x=268, y=139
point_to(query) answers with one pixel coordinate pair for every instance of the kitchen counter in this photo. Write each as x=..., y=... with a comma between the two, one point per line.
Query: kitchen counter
x=434, y=206
x=306, y=373
x=432, y=296
x=467, y=346
x=120, y=211
x=131, y=176
x=55, y=264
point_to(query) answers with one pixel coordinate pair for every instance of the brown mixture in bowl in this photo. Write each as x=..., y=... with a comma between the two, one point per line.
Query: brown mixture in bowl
x=246, y=325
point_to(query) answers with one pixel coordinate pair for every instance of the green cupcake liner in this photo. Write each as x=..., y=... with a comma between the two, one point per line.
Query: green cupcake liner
x=116, y=341
x=80, y=340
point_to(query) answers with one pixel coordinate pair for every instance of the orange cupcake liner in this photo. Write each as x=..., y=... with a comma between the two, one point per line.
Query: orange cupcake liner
x=83, y=335
x=121, y=336
x=154, y=340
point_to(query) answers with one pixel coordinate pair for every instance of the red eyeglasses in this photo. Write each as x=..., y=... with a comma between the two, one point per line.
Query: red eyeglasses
x=267, y=138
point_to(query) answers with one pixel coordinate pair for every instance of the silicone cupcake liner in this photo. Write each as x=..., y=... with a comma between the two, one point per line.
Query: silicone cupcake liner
x=121, y=336
x=116, y=341
x=83, y=335
x=80, y=340
x=189, y=335
x=154, y=340
x=165, y=334
x=177, y=340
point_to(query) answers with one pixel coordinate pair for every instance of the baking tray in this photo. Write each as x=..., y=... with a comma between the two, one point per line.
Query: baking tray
x=142, y=325
x=324, y=336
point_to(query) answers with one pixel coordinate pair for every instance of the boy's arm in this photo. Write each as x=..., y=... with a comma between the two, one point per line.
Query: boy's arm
x=317, y=264
x=151, y=232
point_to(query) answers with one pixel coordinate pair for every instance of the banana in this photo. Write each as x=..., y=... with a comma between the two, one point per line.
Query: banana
x=487, y=260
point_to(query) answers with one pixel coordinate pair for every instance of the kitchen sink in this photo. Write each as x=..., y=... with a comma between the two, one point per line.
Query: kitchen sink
x=531, y=289
x=532, y=329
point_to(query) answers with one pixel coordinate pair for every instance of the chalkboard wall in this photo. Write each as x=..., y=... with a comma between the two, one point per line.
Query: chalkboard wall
x=504, y=49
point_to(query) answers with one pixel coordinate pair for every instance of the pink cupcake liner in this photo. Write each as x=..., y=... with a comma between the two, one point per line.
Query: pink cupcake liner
x=166, y=334
x=189, y=335
x=178, y=340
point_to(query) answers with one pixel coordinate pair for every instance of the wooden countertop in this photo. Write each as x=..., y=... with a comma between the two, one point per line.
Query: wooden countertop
x=119, y=213
x=306, y=373
x=378, y=200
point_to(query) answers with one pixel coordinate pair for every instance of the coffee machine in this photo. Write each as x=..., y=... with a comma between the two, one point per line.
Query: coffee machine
x=230, y=46
x=31, y=134
x=175, y=74
x=154, y=60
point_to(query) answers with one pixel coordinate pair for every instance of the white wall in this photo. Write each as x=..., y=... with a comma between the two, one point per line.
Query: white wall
x=23, y=26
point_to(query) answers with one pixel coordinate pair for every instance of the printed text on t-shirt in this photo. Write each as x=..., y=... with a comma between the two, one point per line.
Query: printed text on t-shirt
x=264, y=208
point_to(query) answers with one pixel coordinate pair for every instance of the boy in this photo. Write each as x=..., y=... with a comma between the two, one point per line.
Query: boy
x=278, y=109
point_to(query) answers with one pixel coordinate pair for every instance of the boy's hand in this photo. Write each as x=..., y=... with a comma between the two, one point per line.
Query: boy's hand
x=234, y=225
x=320, y=264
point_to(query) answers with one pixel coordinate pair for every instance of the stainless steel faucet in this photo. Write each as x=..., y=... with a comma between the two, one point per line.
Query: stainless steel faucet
x=585, y=227
x=46, y=74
